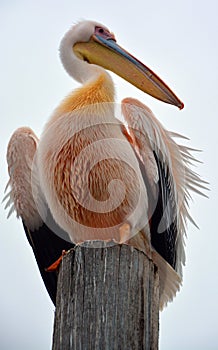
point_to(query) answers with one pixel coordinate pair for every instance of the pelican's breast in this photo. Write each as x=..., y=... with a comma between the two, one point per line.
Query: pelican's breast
x=88, y=170
x=94, y=181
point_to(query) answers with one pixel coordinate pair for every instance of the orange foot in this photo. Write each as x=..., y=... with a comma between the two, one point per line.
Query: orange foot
x=54, y=267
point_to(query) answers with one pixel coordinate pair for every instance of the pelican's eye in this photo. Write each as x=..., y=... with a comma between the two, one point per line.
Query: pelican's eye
x=104, y=33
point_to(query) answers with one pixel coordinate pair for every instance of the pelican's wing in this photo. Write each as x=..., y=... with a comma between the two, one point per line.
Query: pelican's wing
x=22, y=197
x=165, y=167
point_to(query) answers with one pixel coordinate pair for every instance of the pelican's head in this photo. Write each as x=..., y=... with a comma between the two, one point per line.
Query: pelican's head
x=94, y=44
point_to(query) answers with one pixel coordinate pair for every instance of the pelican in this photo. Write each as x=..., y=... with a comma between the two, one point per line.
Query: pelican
x=90, y=177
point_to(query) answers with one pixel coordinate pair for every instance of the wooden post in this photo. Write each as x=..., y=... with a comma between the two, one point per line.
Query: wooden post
x=107, y=299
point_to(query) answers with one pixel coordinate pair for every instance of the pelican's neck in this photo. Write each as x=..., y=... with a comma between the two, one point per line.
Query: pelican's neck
x=76, y=68
x=99, y=91
x=97, y=86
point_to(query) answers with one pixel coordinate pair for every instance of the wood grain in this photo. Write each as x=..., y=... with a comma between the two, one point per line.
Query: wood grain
x=107, y=298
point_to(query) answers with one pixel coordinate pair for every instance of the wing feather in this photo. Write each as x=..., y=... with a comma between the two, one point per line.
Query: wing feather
x=47, y=241
x=20, y=156
x=176, y=181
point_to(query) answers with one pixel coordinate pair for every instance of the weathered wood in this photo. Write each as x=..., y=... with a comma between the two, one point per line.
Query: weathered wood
x=107, y=298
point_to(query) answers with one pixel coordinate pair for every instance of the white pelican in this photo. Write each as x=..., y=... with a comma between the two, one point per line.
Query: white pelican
x=90, y=178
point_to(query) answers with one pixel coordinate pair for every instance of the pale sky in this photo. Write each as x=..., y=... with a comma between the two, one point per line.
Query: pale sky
x=179, y=41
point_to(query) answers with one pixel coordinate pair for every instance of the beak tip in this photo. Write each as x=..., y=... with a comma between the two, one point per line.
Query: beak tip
x=181, y=105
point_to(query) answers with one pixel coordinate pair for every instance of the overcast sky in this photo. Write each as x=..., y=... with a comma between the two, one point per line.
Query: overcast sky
x=178, y=39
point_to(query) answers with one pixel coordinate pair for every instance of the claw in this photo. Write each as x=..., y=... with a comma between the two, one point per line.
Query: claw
x=125, y=233
x=54, y=267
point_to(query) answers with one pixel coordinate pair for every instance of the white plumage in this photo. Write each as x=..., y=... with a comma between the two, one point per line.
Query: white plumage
x=96, y=176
